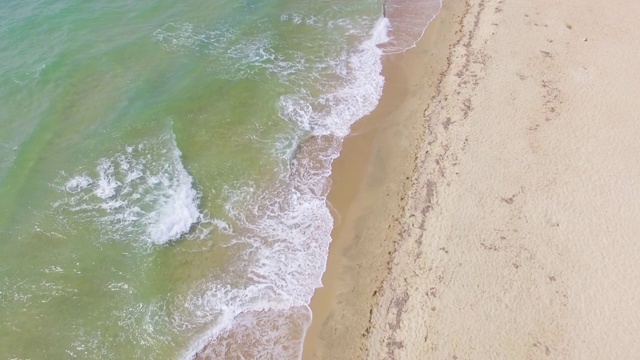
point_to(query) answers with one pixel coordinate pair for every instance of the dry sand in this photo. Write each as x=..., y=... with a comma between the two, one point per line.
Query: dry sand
x=496, y=213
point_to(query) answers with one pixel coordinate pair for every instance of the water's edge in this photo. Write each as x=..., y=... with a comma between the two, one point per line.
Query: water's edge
x=359, y=150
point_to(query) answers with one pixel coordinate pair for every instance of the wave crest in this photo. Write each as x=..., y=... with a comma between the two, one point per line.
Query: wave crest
x=143, y=193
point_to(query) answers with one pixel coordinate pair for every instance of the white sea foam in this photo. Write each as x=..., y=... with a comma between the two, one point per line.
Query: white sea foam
x=143, y=192
x=107, y=184
x=78, y=183
x=174, y=213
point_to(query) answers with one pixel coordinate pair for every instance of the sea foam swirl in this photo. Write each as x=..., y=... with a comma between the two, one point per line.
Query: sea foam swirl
x=142, y=193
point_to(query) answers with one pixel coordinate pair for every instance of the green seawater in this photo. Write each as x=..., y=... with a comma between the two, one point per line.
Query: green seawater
x=151, y=171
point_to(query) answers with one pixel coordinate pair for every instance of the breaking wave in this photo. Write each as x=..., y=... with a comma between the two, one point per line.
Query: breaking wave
x=142, y=193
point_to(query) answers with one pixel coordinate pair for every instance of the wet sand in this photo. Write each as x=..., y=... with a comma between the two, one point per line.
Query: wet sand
x=490, y=207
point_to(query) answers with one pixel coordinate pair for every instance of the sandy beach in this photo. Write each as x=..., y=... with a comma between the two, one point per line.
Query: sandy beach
x=490, y=207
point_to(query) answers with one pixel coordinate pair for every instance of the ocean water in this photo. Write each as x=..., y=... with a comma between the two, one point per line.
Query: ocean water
x=164, y=168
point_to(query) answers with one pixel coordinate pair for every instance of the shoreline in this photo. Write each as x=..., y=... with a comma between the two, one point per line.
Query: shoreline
x=373, y=144
x=511, y=230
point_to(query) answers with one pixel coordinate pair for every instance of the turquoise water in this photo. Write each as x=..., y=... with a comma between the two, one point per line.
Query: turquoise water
x=164, y=168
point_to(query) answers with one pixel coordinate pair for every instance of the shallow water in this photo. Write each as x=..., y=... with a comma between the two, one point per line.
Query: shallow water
x=164, y=167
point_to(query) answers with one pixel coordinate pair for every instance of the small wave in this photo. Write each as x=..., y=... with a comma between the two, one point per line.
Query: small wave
x=409, y=20
x=342, y=102
x=143, y=192
x=232, y=311
x=284, y=341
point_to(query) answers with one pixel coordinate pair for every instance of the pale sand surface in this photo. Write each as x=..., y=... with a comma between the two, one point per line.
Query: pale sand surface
x=517, y=234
